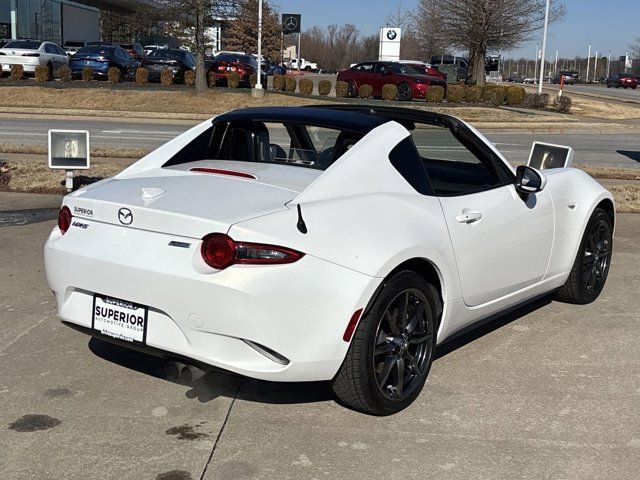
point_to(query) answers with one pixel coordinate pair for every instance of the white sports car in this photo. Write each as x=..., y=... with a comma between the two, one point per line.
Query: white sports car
x=323, y=243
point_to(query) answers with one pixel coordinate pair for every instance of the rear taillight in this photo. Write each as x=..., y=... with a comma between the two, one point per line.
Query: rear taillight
x=221, y=251
x=30, y=54
x=64, y=219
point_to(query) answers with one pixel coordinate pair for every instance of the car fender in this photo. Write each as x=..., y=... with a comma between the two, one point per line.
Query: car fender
x=575, y=196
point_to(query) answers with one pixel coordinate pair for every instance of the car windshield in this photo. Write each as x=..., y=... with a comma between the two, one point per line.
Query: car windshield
x=176, y=54
x=400, y=68
x=230, y=58
x=24, y=44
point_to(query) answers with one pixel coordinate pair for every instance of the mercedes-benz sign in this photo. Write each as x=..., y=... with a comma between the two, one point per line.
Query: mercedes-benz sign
x=291, y=23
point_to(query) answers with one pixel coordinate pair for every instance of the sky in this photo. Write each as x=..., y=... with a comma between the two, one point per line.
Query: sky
x=607, y=25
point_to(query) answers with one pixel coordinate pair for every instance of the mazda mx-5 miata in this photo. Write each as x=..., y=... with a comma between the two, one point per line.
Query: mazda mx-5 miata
x=338, y=243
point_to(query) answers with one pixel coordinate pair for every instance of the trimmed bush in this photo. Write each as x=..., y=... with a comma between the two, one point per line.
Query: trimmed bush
x=42, y=74
x=562, y=104
x=342, y=88
x=434, y=94
x=473, y=94
x=536, y=100
x=87, y=74
x=142, y=76
x=494, y=96
x=114, y=75
x=455, y=93
x=17, y=72
x=389, y=92
x=290, y=84
x=64, y=74
x=278, y=83
x=324, y=87
x=233, y=80
x=253, y=80
x=515, y=95
x=306, y=86
x=166, y=77
x=190, y=78
x=365, y=91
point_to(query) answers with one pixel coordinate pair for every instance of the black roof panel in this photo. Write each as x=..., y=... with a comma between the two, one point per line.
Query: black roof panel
x=321, y=117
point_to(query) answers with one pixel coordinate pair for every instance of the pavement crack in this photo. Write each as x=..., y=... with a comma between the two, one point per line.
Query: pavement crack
x=219, y=437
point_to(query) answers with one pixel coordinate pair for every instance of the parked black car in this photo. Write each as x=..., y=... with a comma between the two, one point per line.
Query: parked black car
x=178, y=61
x=102, y=57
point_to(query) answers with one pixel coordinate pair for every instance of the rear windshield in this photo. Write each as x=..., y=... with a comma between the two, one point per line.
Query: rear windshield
x=166, y=54
x=25, y=44
x=104, y=49
x=228, y=57
x=296, y=144
x=74, y=44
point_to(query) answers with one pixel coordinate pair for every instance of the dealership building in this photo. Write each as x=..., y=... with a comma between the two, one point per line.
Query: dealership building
x=61, y=20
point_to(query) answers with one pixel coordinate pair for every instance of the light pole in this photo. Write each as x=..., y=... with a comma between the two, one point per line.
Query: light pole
x=544, y=45
x=609, y=64
x=588, y=63
x=259, y=79
x=555, y=66
x=535, y=63
x=595, y=67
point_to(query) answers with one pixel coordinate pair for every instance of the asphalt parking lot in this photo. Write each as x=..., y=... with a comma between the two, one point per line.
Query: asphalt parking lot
x=551, y=391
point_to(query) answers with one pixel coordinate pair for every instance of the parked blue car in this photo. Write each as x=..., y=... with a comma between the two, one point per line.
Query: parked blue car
x=100, y=58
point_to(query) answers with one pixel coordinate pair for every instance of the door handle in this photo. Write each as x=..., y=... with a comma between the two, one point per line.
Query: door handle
x=468, y=217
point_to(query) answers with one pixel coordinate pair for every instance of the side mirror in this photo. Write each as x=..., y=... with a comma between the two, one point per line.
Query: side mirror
x=529, y=180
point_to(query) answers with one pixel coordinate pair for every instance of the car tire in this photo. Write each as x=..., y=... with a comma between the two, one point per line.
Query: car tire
x=404, y=92
x=390, y=354
x=591, y=266
x=352, y=89
x=50, y=67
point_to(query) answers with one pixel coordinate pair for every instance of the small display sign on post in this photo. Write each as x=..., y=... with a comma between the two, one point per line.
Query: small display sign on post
x=69, y=151
x=546, y=155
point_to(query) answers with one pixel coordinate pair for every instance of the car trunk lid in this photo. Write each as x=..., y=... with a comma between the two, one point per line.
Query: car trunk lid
x=181, y=201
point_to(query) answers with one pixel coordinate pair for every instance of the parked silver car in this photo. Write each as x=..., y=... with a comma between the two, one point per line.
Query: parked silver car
x=33, y=53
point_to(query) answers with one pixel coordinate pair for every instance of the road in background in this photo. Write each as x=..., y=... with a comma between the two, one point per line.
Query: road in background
x=612, y=150
x=621, y=94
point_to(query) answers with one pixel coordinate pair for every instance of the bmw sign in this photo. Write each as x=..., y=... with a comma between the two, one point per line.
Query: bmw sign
x=392, y=34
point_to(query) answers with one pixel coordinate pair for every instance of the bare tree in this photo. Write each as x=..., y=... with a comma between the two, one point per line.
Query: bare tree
x=480, y=26
x=333, y=48
x=428, y=28
x=635, y=49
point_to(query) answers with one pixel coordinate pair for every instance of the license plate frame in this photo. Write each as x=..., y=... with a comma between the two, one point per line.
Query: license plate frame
x=118, y=327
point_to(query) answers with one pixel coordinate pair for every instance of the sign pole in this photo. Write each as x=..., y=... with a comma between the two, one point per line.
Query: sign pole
x=544, y=46
x=259, y=79
x=68, y=183
x=588, y=63
x=299, y=56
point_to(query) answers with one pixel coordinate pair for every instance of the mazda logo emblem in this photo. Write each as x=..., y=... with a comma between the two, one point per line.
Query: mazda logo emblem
x=392, y=34
x=125, y=216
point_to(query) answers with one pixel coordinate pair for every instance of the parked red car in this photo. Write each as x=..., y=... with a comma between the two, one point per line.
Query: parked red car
x=624, y=80
x=225, y=63
x=411, y=83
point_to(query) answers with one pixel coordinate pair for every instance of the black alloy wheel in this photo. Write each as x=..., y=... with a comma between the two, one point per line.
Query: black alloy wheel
x=403, y=347
x=591, y=266
x=404, y=92
x=392, y=349
x=352, y=90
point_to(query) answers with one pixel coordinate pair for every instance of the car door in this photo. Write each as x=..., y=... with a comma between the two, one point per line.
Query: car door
x=382, y=73
x=501, y=241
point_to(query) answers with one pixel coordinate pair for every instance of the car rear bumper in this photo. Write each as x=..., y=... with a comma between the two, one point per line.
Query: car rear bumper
x=280, y=323
x=29, y=64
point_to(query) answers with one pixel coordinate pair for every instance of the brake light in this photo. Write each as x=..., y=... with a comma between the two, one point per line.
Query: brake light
x=64, y=219
x=221, y=251
x=30, y=54
x=219, y=171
